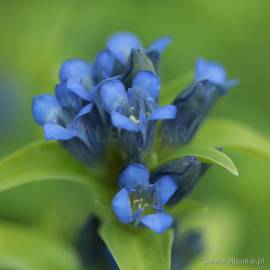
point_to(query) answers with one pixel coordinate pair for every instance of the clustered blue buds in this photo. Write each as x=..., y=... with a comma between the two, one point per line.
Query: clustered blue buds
x=118, y=93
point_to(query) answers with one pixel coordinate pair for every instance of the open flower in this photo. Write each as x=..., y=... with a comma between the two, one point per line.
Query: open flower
x=132, y=109
x=140, y=202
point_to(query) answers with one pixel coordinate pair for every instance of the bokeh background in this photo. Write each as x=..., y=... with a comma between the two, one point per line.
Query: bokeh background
x=36, y=36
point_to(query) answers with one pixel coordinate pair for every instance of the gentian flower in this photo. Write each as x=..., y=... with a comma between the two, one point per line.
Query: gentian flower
x=121, y=44
x=135, y=109
x=70, y=116
x=194, y=104
x=114, y=60
x=140, y=202
x=76, y=76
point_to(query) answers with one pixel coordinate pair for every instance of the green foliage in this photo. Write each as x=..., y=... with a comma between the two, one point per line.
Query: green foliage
x=78, y=29
x=41, y=161
x=132, y=248
x=219, y=132
x=25, y=248
x=204, y=153
x=137, y=248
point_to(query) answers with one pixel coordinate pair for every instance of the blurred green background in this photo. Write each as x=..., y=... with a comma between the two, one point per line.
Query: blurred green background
x=36, y=36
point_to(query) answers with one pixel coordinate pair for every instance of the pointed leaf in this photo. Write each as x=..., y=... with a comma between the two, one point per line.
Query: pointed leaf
x=220, y=132
x=41, y=161
x=204, y=153
x=135, y=249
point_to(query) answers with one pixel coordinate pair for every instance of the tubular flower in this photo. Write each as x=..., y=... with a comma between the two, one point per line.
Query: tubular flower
x=194, y=103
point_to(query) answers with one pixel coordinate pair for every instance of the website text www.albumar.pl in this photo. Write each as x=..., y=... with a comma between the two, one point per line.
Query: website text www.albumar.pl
x=259, y=261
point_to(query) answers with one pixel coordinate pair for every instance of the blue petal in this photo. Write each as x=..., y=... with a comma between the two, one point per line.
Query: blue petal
x=46, y=109
x=160, y=44
x=134, y=175
x=74, y=68
x=165, y=187
x=112, y=95
x=212, y=71
x=85, y=110
x=104, y=63
x=66, y=98
x=158, y=222
x=147, y=81
x=121, y=44
x=76, y=85
x=165, y=112
x=122, y=122
x=56, y=132
x=122, y=207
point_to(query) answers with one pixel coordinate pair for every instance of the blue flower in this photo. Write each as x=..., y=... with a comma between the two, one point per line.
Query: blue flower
x=77, y=77
x=121, y=44
x=193, y=105
x=135, y=111
x=131, y=109
x=195, y=102
x=140, y=202
x=70, y=116
x=114, y=60
x=214, y=72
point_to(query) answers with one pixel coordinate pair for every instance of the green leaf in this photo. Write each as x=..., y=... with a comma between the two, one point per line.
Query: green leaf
x=173, y=88
x=25, y=248
x=204, y=153
x=135, y=249
x=42, y=161
x=219, y=132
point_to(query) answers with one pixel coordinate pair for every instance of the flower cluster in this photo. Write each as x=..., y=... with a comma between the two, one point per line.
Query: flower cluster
x=118, y=93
